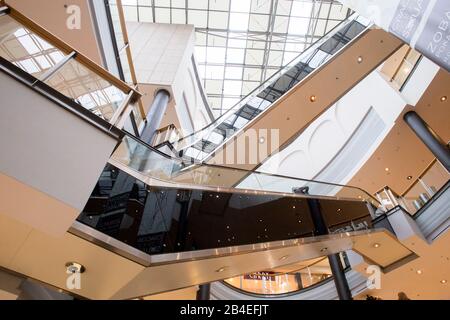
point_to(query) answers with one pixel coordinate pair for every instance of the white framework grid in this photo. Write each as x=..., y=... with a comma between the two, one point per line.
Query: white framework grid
x=241, y=43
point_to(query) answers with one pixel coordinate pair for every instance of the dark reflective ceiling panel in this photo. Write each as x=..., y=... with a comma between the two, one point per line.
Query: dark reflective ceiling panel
x=164, y=220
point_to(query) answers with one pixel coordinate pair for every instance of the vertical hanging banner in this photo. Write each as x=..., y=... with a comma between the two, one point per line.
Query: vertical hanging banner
x=423, y=24
x=434, y=41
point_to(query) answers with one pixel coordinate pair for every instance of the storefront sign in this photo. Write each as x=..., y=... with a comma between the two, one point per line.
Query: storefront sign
x=267, y=276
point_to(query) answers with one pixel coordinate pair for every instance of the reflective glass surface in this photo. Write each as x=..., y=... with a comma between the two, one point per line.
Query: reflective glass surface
x=76, y=80
x=155, y=167
x=159, y=220
x=87, y=88
x=26, y=49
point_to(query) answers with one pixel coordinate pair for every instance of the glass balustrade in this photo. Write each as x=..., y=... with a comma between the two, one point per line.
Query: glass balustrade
x=179, y=218
x=32, y=49
x=421, y=191
x=155, y=167
x=26, y=49
x=425, y=187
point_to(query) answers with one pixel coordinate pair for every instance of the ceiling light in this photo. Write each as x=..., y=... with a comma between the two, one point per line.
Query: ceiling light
x=262, y=140
x=386, y=169
x=377, y=245
x=221, y=269
x=324, y=249
x=409, y=177
x=443, y=98
x=313, y=98
x=419, y=271
x=360, y=59
x=284, y=258
x=443, y=281
x=75, y=267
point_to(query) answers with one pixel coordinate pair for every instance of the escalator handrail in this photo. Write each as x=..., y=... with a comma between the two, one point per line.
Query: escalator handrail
x=247, y=172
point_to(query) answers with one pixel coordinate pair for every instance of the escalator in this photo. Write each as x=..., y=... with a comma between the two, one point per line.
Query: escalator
x=193, y=224
x=198, y=231
x=289, y=100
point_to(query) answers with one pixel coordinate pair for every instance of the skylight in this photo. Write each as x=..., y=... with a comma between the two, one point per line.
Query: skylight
x=241, y=43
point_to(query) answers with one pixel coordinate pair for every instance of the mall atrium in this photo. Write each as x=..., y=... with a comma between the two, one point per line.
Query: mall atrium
x=224, y=150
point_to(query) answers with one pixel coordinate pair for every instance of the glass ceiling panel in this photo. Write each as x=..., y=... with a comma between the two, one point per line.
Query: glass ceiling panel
x=241, y=43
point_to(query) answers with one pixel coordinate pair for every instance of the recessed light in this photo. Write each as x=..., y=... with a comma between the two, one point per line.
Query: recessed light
x=313, y=98
x=339, y=210
x=221, y=269
x=443, y=98
x=284, y=258
x=419, y=271
x=324, y=249
x=360, y=59
x=376, y=245
x=443, y=281
x=386, y=169
x=409, y=177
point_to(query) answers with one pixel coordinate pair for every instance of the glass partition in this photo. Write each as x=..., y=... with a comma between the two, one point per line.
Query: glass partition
x=32, y=49
x=422, y=190
x=178, y=218
x=425, y=187
x=87, y=88
x=156, y=167
x=25, y=49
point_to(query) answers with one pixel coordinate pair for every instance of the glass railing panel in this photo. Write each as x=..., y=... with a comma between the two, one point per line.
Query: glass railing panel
x=276, y=86
x=26, y=49
x=87, y=88
x=149, y=163
x=435, y=178
x=425, y=187
x=159, y=220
